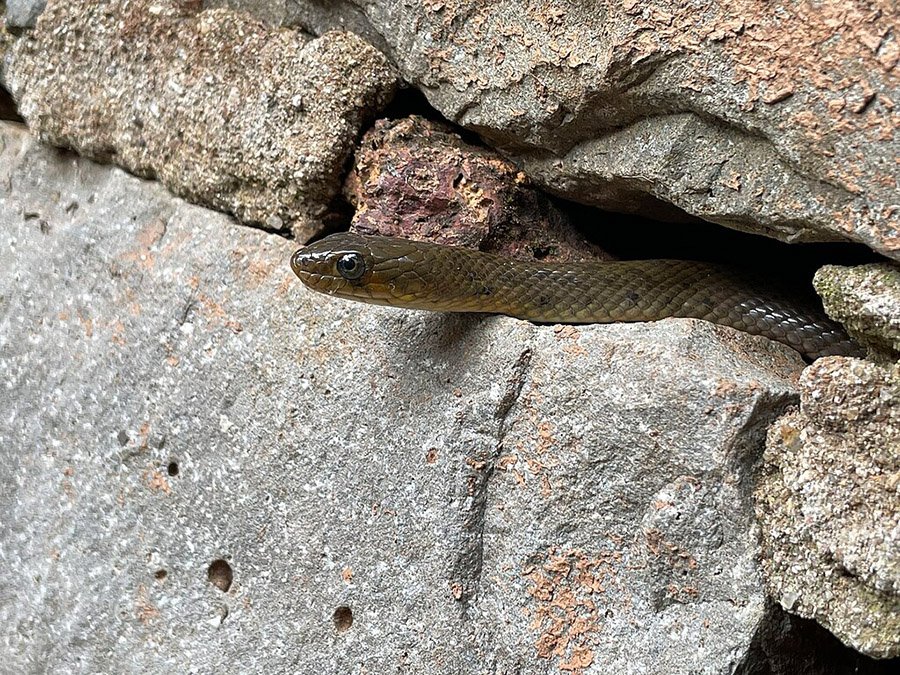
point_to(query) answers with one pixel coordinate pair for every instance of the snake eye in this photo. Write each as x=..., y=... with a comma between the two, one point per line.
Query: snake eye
x=351, y=266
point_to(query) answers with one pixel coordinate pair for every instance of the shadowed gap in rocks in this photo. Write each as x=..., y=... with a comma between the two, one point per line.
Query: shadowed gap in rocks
x=8, y=107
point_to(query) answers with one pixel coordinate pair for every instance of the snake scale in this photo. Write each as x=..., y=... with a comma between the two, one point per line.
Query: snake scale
x=420, y=275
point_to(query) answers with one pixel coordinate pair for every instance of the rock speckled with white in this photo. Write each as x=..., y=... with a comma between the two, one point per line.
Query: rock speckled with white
x=829, y=503
x=866, y=299
x=221, y=108
x=205, y=466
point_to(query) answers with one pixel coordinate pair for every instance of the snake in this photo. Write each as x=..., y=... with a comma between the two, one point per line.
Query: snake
x=423, y=275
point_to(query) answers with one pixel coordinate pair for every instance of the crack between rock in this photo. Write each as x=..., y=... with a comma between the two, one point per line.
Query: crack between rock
x=165, y=230
x=745, y=456
x=469, y=564
x=513, y=392
x=186, y=310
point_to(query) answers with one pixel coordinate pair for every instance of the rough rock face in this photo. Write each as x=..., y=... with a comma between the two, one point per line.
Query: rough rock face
x=829, y=503
x=23, y=13
x=866, y=299
x=778, y=118
x=202, y=464
x=223, y=110
x=418, y=179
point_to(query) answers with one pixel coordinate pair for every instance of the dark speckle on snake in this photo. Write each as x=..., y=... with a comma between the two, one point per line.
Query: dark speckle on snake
x=420, y=275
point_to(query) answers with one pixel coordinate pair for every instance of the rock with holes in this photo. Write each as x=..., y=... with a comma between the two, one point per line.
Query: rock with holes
x=829, y=507
x=221, y=108
x=779, y=117
x=204, y=464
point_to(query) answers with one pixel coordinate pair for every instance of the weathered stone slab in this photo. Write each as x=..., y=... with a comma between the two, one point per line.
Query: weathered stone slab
x=224, y=110
x=778, y=118
x=202, y=465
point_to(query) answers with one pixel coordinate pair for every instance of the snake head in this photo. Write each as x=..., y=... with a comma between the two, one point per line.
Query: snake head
x=370, y=269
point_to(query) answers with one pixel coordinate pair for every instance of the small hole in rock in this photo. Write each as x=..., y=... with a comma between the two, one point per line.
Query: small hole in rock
x=172, y=468
x=160, y=574
x=343, y=618
x=220, y=575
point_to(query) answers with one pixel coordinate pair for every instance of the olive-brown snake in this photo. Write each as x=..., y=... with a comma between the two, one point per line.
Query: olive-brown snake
x=419, y=275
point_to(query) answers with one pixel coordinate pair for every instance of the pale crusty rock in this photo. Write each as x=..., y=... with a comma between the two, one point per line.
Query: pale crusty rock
x=202, y=464
x=866, y=299
x=829, y=503
x=222, y=109
x=779, y=118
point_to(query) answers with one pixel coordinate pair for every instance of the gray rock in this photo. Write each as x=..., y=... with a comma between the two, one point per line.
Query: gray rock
x=866, y=299
x=23, y=13
x=223, y=110
x=828, y=503
x=7, y=40
x=204, y=465
x=779, y=120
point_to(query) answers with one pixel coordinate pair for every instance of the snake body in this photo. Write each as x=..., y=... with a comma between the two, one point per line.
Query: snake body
x=420, y=275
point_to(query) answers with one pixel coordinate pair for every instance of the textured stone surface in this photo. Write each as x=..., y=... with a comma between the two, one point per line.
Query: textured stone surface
x=223, y=110
x=773, y=117
x=866, y=299
x=376, y=489
x=417, y=179
x=6, y=41
x=829, y=503
x=23, y=13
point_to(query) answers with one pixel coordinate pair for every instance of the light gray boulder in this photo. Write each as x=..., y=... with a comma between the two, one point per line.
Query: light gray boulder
x=205, y=466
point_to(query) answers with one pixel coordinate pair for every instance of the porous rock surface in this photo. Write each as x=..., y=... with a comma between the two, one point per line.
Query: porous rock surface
x=222, y=109
x=778, y=118
x=866, y=299
x=417, y=179
x=203, y=465
x=829, y=503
